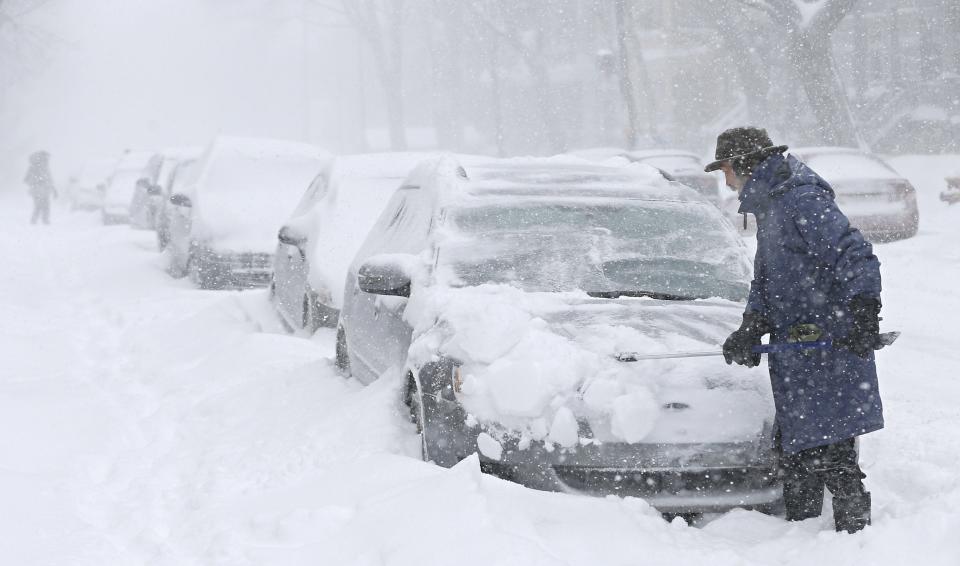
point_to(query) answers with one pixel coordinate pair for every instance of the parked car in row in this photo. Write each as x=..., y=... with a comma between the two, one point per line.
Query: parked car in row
x=513, y=295
x=317, y=243
x=148, y=192
x=223, y=222
x=176, y=184
x=880, y=202
x=121, y=186
x=91, y=184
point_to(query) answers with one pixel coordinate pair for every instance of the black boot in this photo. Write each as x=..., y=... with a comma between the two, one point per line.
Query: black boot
x=851, y=513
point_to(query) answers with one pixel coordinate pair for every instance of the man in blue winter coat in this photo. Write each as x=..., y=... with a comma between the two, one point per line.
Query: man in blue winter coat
x=815, y=278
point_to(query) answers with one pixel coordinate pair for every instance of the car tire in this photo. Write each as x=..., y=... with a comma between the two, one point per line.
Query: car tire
x=341, y=355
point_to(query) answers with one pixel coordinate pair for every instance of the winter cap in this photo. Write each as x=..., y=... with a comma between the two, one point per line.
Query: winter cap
x=737, y=143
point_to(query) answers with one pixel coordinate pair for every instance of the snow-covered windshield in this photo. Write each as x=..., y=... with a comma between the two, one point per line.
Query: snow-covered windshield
x=603, y=246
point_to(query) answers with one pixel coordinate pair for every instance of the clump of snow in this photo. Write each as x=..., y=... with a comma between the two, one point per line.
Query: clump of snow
x=489, y=446
x=536, y=363
x=634, y=415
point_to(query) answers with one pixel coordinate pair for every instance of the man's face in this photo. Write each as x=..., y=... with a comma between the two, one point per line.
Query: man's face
x=733, y=180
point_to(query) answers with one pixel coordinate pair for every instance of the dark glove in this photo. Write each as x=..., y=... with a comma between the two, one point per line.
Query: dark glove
x=739, y=345
x=864, y=335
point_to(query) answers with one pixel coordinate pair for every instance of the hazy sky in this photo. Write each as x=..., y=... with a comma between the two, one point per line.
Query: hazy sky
x=111, y=74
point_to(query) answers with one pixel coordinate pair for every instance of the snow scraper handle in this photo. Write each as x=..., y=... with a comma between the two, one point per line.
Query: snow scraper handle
x=885, y=339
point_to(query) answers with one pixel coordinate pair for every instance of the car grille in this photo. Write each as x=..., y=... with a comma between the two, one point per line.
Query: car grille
x=642, y=483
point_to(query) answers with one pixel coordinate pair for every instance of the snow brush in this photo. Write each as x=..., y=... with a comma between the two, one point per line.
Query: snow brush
x=884, y=339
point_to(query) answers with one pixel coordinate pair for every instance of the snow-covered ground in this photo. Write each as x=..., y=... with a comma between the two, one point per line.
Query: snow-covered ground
x=145, y=422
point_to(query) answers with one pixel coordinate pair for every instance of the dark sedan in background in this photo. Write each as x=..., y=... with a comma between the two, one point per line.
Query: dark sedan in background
x=880, y=202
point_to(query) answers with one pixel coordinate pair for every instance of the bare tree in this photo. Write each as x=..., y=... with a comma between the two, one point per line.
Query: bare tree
x=519, y=27
x=808, y=36
x=380, y=24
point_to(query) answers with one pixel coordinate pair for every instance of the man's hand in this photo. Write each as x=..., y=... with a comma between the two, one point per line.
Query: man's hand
x=738, y=347
x=864, y=334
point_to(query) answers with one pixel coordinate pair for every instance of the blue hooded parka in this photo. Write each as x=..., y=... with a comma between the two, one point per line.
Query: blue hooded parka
x=810, y=263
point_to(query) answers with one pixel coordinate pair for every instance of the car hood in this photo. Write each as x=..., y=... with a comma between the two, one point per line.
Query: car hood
x=547, y=366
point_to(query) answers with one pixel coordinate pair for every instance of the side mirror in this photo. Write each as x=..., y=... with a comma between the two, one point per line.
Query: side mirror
x=387, y=274
x=180, y=200
x=291, y=237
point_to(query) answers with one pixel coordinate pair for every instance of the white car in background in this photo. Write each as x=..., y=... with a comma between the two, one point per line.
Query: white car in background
x=86, y=193
x=224, y=219
x=880, y=202
x=148, y=194
x=120, y=188
x=176, y=184
x=317, y=243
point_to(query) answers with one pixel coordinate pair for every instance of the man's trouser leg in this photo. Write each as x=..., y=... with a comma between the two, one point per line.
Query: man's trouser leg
x=45, y=210
x=802, y=490
x=834, y=466
x=36, y=210
x=843, y=477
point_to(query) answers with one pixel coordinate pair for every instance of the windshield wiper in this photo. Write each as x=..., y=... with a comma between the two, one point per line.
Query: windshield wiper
x=652, y=294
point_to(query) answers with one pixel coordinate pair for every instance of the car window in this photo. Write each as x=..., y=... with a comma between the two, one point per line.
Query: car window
x=602, y=246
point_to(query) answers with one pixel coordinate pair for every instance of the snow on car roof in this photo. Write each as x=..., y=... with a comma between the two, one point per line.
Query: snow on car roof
x=246, y=187
x=558, y=176
x=648, y=153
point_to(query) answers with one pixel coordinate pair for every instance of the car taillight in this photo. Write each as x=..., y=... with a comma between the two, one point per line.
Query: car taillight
x=901, y=192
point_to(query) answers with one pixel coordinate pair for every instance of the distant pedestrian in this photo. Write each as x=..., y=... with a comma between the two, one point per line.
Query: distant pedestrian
x=815, y=278
x=41, y=186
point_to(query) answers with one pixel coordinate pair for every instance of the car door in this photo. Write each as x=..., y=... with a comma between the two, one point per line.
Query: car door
x=377, y=336
x=290, y=282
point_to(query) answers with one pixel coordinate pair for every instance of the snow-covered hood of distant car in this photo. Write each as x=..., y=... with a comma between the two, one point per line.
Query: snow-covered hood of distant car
x=544, y=366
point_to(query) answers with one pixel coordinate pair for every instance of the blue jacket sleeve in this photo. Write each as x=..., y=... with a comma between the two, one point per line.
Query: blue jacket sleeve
x=833, y=244
x=756, y=302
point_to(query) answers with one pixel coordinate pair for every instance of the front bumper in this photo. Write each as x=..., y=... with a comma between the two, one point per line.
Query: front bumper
x=673, y=478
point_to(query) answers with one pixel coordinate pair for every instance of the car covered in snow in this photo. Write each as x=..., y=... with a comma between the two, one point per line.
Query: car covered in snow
x=224, y=218
x=177, y=183
x=517, y=301
x=148, y=193
x=317, y=243
x=86, y=193
x=876, y=199
x=118, y=196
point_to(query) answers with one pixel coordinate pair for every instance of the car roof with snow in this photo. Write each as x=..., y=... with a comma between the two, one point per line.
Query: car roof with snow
x=453, y=183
